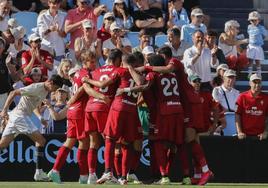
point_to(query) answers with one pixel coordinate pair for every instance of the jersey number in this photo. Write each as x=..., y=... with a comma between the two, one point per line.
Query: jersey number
x=168, y=91
x=132, y=84
x=102, y=78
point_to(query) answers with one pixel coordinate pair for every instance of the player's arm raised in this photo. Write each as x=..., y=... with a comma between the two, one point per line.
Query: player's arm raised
x=161, y=69
x=91, y=92
x=99, y=84
x=139, y=79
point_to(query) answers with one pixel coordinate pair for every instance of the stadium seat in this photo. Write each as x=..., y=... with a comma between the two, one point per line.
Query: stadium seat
x=109, y=4
x=160, y=40
x=99, y=22
x=230, y=129
x=27, y=19
x=134, y=38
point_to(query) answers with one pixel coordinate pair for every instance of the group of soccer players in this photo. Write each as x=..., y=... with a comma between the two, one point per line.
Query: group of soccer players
x=104, y=106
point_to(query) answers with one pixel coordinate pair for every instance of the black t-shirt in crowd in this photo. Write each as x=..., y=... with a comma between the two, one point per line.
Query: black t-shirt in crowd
x=24, y=5
x=5, y=85
x=148, y=14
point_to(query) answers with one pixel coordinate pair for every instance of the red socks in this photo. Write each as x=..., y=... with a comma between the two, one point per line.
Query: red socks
x=109, y=153
x=118, y=164
x=183, y=157
x=126, y=154
x=61, y=158
x=161, y=157
x=92, y=160
x=82, y=161
x=198, y=153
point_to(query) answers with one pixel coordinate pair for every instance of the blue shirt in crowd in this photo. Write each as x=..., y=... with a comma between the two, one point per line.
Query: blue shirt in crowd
x=188, y=30
x=180, y=18
x=257, y=34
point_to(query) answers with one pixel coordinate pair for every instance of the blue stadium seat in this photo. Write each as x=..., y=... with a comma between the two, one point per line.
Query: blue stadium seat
x=99, y=22
x=134, y=38
x=160, y=40
x=109, y=4
x=27, y=19
x=230, y=129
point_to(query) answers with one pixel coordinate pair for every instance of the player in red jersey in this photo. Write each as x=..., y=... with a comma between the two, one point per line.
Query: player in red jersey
x=191, y=104
x=123, y=121
x=97, y=110
x=168, y=131
x=251, y=111
x=75, y=120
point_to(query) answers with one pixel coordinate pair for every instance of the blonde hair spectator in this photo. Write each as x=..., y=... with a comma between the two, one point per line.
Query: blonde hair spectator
x=230, y=24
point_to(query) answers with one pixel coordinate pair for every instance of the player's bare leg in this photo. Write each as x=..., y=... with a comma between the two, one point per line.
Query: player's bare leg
x=6, y=140
x=40, y=142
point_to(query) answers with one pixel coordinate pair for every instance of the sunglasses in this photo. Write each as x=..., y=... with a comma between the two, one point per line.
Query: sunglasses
x=110, y=18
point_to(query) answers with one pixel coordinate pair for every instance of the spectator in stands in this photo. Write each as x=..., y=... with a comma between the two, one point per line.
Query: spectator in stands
x=63, y=71
x=4, y=75
x=116, y=41
x=122, y=16
x=147, y=17
x=144, y=38
x=87, y=41
x=229, y=43
x=177, y=14
x=34, y=77
x=36, y=57
x=4, y=14
x=75, y=18
x=58, y=112
x=187, y=31
x=199, y=61
x=12, y=23
x=177, y=46
x=19, y=44
x=50, y=25
x=211, y=39
x=10, y=36
x=147, y=52
x=25, y=5
x=257, y=33
x=104, y=33
x=218, y=79
x=252, y=110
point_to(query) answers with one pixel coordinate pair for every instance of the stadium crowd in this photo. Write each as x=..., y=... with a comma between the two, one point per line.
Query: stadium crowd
x=79, y=73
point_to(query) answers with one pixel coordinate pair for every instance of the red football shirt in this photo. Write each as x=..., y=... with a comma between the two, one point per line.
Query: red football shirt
x=127, y=101
x=26, y=58
x=253, y=112
x=165, y=87
x=76, y=110
x=101, y=74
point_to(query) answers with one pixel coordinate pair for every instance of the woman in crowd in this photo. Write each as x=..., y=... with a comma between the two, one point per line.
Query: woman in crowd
x=122, y=17
x=63, y=71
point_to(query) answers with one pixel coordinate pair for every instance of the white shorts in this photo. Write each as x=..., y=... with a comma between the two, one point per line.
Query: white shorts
x=18, y=124
x=255, y=52
x=3, y=98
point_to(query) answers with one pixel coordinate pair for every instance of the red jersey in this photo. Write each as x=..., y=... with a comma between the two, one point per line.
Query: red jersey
x=253, y=112
x=165, y=87
x=101, y=74
x=127, y=101
x=76, y=110
x=26, y=58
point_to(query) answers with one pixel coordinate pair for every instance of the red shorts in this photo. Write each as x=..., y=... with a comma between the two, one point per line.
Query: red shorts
x=170, y=128
x=95, y=121
x=123, y=125
x=194, y=112
x=76, y=129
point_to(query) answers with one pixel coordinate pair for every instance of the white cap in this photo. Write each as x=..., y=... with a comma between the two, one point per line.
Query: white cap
x=229, y=72
x=73, y=71
x=148, y=50
x=254, y=77
x=254, y=16
x=108, y=14
x=197, y=12
x=64, y=88
x=15, y=33
x=119, y=1
x=12, y=22
x=223, y=67
x=34, y=37
x=36, y=70
x=114, y=26
x=87, y=24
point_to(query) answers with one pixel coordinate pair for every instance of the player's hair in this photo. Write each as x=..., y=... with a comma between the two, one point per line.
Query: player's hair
x=56, y=79
x=212, y=33
x=175, y=31
x=165, y=50
x=198, y=31
x=144, y=32
x=156, y=60
x=140, y=58
x=114, y=54
x=87, y=55
x=129, y=59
